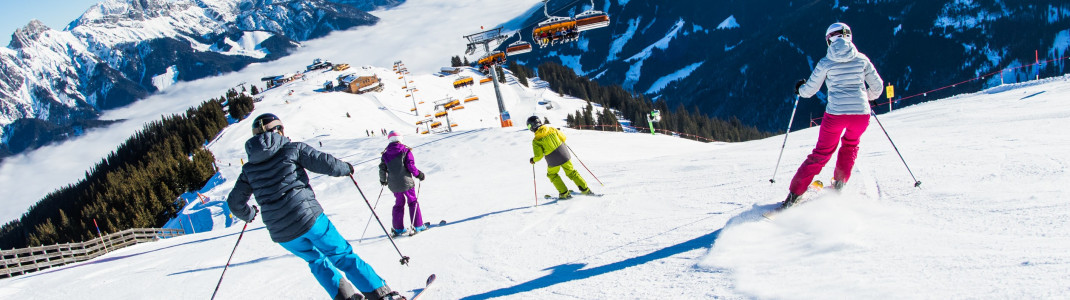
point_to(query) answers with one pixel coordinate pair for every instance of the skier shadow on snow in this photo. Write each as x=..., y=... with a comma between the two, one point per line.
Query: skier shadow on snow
x=574, y=271
x=472, y=218
x=255, y=261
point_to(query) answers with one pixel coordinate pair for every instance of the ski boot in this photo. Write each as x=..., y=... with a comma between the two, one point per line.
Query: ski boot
x=837, y=185
x=790, y=201
x=383, y=293
x=346, y=291
x=587, y=191
x=398, y=232
x=419, y=229
x=564, y=196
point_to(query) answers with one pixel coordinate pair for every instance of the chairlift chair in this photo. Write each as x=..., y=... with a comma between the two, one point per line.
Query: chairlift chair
x=554, y=29
x=518, y=47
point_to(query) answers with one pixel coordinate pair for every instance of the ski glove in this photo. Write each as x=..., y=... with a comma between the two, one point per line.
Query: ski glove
x=421, y=176
x=351, y=169
x=799, y=84
x=531, y=160
x=872, y=103
x=382, y=182
x=255, y=212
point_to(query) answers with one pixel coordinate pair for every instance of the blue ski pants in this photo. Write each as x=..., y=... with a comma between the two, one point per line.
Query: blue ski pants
x=326, y=251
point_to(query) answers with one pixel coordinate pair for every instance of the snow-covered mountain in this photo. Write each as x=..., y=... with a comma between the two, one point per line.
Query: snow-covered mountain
x=741, y=58
x=120, y=51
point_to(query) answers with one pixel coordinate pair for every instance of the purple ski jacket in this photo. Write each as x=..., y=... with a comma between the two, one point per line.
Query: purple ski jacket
x=396, y=172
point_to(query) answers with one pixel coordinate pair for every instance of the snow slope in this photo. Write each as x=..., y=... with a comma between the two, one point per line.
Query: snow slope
x=679, y=219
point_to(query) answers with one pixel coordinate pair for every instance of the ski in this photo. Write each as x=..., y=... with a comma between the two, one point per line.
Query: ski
x=427, y=225
x=573, y=193
x=430, y=280
x=811, y=192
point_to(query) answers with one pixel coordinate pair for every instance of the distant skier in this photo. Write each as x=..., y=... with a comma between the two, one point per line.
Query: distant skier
x=550, y=143
x=275, y=175
x=853, y=84
x=396, y=170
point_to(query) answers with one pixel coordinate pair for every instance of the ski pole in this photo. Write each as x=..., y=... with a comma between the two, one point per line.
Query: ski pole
x=786, y=132
x=228, y=260
x=413, y=212
x=584, y=165
x=535, y=190
x=370, y=217
x=916, y=182
x=404, y=259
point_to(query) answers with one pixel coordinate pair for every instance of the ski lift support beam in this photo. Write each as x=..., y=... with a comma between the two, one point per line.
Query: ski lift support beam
x=485, y=38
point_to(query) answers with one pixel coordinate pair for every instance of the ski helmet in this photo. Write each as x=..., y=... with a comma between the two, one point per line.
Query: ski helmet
x=534, y=123
x=837, y=31
x=266, y=123
x=394, y=136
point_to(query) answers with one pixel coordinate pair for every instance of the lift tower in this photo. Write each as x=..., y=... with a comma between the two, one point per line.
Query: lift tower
x=485, y=38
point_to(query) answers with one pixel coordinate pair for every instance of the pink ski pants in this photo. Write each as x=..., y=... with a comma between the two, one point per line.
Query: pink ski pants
x=833, y=129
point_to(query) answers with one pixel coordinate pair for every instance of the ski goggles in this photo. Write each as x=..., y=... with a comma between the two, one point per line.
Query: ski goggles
x=270, y=126
x=837, y=35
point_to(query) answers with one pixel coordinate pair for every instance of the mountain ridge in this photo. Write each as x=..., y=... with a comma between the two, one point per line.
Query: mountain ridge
x=110, y=55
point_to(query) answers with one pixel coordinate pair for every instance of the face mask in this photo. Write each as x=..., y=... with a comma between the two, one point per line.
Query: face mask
x=837, y=35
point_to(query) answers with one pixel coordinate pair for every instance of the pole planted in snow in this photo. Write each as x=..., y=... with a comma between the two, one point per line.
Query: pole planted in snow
x=786, y=132
x=404, y=259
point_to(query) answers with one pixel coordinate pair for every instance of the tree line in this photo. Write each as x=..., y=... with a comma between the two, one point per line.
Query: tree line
x=564, y=80
x=136, y=185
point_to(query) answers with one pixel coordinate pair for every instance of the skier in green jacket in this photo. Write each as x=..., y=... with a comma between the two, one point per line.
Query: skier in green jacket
x=550, y=143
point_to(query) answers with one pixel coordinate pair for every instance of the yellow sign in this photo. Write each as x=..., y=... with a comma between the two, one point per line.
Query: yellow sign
x=890, y=91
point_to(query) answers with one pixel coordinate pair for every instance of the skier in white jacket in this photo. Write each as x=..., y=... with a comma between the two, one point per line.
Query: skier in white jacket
x=853, y=83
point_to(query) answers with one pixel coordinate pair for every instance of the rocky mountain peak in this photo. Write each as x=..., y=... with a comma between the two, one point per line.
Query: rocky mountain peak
x=23, y=36
x=113, y=11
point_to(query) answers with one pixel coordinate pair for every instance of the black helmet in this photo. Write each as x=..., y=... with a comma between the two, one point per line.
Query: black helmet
x=266, y=123
x=534, y=123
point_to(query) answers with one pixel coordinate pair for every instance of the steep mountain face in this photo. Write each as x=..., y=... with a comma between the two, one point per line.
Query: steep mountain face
x=742, y=58
x=54, y=82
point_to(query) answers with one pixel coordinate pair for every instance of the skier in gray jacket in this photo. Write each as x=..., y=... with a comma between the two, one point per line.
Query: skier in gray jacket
x=852, y=83
x=275, y=175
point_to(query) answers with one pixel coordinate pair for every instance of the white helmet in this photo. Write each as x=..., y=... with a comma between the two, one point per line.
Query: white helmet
x=394, y=136
x=837, y=31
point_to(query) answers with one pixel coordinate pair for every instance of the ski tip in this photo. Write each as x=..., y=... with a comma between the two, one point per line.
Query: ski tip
x=430, y=279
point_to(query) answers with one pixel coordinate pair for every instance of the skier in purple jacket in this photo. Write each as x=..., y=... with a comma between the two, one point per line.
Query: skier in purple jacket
x=396, y=170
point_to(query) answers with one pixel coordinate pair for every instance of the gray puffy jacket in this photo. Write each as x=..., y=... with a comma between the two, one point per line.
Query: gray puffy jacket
x=275, y=175
x=851, y=79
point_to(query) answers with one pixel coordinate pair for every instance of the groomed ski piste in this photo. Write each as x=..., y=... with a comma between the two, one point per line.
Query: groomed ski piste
x=679, y=219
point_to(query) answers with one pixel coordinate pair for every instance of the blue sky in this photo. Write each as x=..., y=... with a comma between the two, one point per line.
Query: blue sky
x=56, y=14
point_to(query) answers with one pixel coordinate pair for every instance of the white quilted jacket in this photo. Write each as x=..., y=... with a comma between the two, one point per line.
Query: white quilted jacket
x=850, y=77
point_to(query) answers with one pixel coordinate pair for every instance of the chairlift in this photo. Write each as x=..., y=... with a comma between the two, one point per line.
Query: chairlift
x=492, y=59
x=518, y=47
x=554, y=29
x=591, y=19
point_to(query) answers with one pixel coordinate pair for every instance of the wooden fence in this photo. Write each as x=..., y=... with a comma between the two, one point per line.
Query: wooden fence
x=27, y=260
